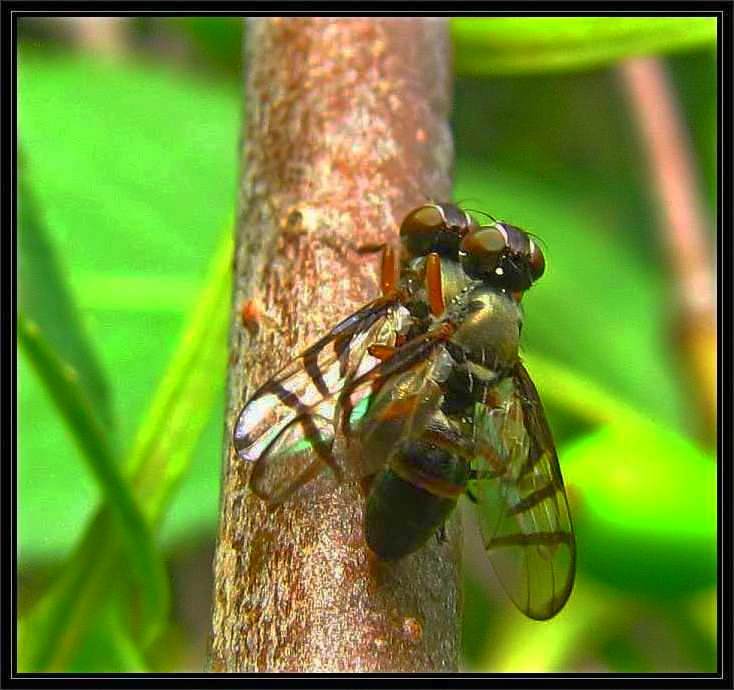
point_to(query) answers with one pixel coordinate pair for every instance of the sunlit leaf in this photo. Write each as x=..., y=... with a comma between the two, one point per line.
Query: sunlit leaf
x=644, y=501
x=134, y=168
x=511, y=45
x=109, y=647
x=188, y=392
x=175, y=419
x=525, y=646
x=45, y=298
x=141, y=552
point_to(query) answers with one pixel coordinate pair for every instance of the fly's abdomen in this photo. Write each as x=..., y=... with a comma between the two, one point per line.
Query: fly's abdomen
x=412, y=497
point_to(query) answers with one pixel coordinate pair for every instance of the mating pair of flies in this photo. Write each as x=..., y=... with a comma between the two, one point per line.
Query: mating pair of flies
x=423, y=391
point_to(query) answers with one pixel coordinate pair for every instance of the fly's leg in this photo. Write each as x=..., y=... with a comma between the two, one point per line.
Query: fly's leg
x=390, y=270
x=434, y=285
x=389, y=267
x=382, y=352
x=441, y=537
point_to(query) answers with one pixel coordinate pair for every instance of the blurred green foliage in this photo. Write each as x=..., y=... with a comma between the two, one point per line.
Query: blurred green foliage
x=128, y=191
x=515, y=45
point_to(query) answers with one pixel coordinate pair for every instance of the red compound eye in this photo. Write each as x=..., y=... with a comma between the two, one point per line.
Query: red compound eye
x=434, y=229
x=536, y=261
x=420, y=230
x=481, y=250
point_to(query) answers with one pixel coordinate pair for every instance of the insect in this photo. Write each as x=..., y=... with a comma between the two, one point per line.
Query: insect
x=423, y=391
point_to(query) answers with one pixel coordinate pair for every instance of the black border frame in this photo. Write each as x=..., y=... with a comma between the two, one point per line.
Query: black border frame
x=11, y=10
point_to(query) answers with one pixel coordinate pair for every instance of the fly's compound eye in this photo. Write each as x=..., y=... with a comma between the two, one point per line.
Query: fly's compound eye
x=481, y=251
x=425, y=230
x=536, y=261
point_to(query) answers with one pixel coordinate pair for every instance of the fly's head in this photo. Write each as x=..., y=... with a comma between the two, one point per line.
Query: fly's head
x=501, y=256
x=434, y=229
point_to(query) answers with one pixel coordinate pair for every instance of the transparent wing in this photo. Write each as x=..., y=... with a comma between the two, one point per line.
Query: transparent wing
x=287, y=427
x=400, y=408
x=405, y=369
x=312, y=378
x=296, y=454
x=523, y=510
x=404, y=394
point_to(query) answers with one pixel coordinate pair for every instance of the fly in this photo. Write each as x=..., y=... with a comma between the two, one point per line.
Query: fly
x=423, y=391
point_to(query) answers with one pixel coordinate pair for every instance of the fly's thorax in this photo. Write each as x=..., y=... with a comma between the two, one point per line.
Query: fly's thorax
x=488, y=328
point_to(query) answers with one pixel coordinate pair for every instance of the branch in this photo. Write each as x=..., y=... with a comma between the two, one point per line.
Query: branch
x=683, y=225
x=346, y=132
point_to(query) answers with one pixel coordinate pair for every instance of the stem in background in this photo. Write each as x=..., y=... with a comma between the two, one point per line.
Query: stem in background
x=346, y=131
x=104, y=36
x=682, y=222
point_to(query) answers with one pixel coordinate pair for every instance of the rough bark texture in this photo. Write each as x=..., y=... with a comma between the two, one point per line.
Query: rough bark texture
x=346, y=131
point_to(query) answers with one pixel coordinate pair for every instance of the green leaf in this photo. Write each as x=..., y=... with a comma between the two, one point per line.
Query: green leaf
x=601, y=308
x=540, y=44
x=51, y=633
x=76, y=409
x=192, y=384
x=522, y=645
x=134, y=166
x=45, y=298
x=644, y=501
x=108, y=647
x=218, y=38
x=565, y=389
x=643, y=495
x=159, y=459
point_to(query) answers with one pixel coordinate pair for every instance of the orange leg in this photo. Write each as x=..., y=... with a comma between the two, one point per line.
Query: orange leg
x=434, y=287
x=399, y=408
x=381, y=352
x=390, y=270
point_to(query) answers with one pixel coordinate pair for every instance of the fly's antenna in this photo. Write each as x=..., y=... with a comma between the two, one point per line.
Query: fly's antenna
x=460, y=202
x=482, y=213
x=538, y=239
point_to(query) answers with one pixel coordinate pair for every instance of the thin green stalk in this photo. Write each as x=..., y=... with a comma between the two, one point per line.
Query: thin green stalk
x=183, y=400
x=159, y=458
x=72, y=403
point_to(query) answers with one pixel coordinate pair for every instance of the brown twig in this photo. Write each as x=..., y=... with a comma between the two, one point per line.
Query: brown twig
x=346, y=132
x=107, y=37
x=683, y=225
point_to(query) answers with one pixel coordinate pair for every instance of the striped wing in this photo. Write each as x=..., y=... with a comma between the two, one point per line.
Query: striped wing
x=289, y=421
x=420, y=356
x=523, y=510
x=404, y=396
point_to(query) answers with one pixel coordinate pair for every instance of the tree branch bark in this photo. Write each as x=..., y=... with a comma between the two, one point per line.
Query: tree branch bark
x=346, y=131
